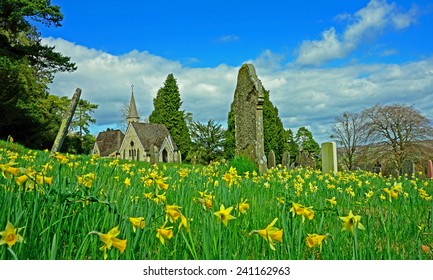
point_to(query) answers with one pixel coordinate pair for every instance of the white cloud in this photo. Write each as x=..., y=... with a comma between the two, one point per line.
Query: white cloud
x=304, y=96
x=366, y=24
x=318, y=52
x=228, y=39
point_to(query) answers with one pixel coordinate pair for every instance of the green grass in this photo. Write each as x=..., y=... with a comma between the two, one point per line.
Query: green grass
x=57, y=218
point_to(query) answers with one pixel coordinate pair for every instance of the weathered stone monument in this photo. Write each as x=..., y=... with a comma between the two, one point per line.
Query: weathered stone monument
x=429, y=169
x=67, y=118
x=271, y=160
x=329, y=158
x=408, y=168
x=248, y=111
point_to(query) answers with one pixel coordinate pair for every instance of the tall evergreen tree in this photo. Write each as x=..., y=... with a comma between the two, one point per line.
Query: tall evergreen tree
x=26, y=68
x=304, y=139
x=275, y=137
x=293, y=147
x=167, y=111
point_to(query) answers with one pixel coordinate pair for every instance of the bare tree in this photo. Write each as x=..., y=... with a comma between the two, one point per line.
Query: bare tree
x=348, y=131
x=401, y=128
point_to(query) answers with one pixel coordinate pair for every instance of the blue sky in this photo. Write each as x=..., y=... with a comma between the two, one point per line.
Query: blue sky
x=317, y=58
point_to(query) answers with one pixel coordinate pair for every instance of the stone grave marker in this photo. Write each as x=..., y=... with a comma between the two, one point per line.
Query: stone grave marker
x=408, y=168
x=394, y=173
x=329, y=157
x=271, y=160
x=285, y=162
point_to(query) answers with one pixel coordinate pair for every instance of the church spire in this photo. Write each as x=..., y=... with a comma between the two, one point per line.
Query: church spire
x=132, y=112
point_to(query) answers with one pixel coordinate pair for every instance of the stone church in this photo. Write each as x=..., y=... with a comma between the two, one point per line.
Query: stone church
x=141, y=142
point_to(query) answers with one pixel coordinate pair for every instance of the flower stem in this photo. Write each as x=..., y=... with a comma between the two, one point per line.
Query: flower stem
x=355, y=242
x=13, y=253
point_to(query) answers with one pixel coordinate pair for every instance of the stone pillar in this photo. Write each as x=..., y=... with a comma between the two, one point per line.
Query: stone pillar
x=248, y=111
x=67, y=118
x=329, y=157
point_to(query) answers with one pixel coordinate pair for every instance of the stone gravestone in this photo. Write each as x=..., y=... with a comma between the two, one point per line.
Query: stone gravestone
x=329, y=157
x=285, y=162
x=248, y=111
x=408, y=168
x=429, y=169
x=394, y=173
x=306, y=159
x=271, y=160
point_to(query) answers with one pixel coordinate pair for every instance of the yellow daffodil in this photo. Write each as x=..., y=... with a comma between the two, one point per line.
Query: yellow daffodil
x=11, y=235
x=164, y=233
x=148, y=195
x=305, y=212
x=351, y=222
x=315, y=240
x=332, y=201
x=20, y=180
x=87, y=179
x=242, y=207
x=206, y=199
x=127, y=182
x=61, y=158
x=110, y=240
x=8, y=170
x=184, y=223
x=183, y=172
x=224, y=214
x=231, y=177
x=137, y=223
x=280, y=199
x=270, y=234
x=160, y=198
x=394, y=191
x=296, y=209
x=160, y=182
x=172, y=212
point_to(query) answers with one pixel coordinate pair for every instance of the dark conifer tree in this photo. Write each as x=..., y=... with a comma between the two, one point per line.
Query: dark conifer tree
x=167, y=111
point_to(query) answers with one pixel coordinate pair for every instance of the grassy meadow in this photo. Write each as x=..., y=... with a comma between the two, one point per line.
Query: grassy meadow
x=71, y=207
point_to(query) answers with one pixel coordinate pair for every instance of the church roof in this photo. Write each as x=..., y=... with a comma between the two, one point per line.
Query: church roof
x=151, y=134
x=109, y=141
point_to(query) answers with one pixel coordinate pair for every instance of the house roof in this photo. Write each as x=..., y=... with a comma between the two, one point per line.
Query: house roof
x=151, y=134
x=109, y=141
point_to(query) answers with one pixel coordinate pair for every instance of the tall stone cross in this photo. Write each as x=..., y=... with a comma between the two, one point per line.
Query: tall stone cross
x=248, y=111
x=67, y=118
